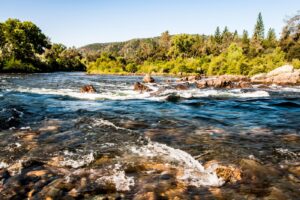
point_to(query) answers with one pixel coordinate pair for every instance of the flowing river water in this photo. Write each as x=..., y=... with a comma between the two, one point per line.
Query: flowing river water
x=58, y=143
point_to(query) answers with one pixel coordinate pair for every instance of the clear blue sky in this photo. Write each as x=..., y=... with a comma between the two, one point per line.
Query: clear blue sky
x=80, y=22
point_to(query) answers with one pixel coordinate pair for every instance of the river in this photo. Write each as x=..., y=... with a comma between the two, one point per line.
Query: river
x=118, y=143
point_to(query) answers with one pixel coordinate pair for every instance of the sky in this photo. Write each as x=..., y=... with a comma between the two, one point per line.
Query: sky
x=80, y=22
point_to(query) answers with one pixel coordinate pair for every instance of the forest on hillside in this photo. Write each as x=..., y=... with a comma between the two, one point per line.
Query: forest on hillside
x=24, y=48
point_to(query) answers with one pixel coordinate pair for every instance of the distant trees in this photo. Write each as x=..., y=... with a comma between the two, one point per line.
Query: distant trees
x=24, y=48
x=290, y=37
x=60, y=58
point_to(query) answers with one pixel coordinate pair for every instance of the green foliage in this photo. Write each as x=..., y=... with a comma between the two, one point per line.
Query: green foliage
x=267, y=62
x=131, y=67
x=271, y=40
x=181, y=45
x=106, y=63
x=290, y=38
x=24, y=48
x=218, y=36
x=14, y=65
x=232, y=61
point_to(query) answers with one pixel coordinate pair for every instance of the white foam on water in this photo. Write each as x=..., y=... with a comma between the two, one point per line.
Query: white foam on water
x=76, y=160
x=287, y=152
x=3, y=165
x=194, y=172
x=102, y=122
x=127, y=93
x=118, y=178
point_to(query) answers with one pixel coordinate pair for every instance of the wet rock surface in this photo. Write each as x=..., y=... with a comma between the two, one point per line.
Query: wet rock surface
x=140, y=87
x=148, y=79
x=88, y=89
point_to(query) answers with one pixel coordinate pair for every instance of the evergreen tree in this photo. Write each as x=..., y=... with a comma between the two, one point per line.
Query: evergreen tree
x=271, y=40
x=245, y=42
x=259, y=30
x=218, y=36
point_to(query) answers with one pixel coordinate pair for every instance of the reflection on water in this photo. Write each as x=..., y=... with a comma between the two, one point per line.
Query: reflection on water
x=117, y=143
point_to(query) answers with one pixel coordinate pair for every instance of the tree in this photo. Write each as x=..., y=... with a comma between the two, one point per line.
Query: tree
x=23, y=40
x=245, y=42
x=259, y=29
x=271, y=40
x=290, y=37
x=181, y=45
x=2, y=38
x=165, y=40
x=218, y=36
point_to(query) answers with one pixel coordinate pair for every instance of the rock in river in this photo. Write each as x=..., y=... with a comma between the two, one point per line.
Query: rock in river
x=140, y=87
x=284, y=75
x=148, y=79
x=88, y=89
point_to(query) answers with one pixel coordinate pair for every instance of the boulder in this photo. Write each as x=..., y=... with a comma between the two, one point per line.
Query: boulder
x=173, y=98
x=259, y=78
x=88, y=89
x=194, y=78
x=281, y=70
x=140, y=87
x=201, y=84
x=181, y=87
x=234, y=78
x=148, y=79
x=243, y=84
x=191, y=78
x=287, y=78
x=285, y=75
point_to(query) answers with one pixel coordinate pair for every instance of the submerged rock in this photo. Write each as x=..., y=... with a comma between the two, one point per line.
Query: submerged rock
x=88, y=89
x=148, y=79
x=173, y=98
x=230, y=173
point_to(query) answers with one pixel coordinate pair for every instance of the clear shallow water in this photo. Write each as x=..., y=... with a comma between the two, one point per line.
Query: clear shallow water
x=119, y=142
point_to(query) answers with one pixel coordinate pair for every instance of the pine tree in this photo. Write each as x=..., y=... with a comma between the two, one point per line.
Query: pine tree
x=259, y=30
x=245, y=37
x=226, y=31
x=245, y=42
x=218, y=36
x=271, y=36
x=235, y=36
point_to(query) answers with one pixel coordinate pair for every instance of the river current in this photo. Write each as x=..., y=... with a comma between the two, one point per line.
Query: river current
x=118, y=143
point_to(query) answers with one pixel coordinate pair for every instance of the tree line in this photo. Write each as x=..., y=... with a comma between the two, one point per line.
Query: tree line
x=24, y=48
x=224, y=52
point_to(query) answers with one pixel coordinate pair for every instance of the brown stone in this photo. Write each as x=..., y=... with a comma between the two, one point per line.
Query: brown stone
x=295, y=170
x=229, y=174
x=234, y=78
x=181, y=87
x=243, y=84
x=285, y=75
x=193, y=78
x=140, y=87
x=201, y=84
x=37, y=173
x=148, y=79
x=88, y=89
